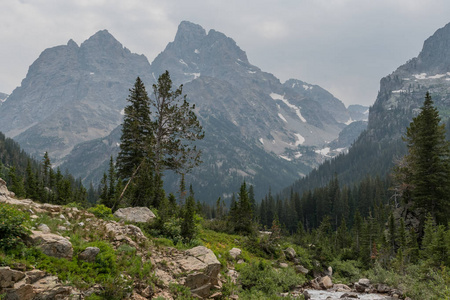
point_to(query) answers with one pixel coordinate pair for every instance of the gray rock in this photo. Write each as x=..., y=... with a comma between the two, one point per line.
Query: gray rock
x=9, y=277
x=326, y=283
x=290, y=253
x=52, y=244
x=364, y=282
x=89, y=254
x=135, y=214
x=235, y=253
x=44, y=228
x=284, y=265
x=301, y=269
x=202, y=267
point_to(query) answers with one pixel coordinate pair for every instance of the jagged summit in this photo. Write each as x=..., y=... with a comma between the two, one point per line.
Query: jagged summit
x=194, y=53
x=257, y=128
x=72, y=94
x=102, y=40
x=72, y=43
x=435, y=54
x=188, y=33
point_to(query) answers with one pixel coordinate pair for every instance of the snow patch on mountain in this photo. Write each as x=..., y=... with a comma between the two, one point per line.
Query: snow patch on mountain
x=323, y=151
x=276, y=96
x=285, y=157
x=183, y=63
x=196, y=75
x=282, y=117
x=300, y=139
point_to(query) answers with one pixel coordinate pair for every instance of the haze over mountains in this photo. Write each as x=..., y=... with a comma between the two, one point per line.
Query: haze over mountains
x=257, y=128
x=400, y=97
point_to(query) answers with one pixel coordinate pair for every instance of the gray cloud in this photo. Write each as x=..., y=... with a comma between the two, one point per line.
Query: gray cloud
x=345, y=46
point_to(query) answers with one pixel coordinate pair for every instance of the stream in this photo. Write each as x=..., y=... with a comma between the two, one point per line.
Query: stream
x=323, y=295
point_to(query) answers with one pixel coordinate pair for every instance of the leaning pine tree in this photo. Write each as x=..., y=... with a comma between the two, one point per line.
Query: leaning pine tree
x=425, y=170
x=175, y=127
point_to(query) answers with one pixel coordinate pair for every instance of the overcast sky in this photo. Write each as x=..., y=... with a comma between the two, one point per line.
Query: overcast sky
x=345, y=46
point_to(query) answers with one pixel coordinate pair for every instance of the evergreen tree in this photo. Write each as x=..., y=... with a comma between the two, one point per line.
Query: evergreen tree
x=135, y=153
x=175, y=127
x=426, y=167
x=188, y=229
x=136, y=132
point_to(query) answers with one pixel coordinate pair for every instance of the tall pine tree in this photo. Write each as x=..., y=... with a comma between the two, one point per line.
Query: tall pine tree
x=426, y=167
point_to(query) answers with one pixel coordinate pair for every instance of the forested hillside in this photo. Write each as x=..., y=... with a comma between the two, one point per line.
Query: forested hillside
x=29, y=178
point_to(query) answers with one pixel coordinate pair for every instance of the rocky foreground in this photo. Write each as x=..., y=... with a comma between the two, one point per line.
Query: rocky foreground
x=197, y=269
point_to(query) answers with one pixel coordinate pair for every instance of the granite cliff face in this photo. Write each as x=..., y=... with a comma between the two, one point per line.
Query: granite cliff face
x=71, y=94
x=402, y=92
x=400, y=98
x=257, y=128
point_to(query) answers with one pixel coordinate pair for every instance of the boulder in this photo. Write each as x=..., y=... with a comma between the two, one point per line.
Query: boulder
x=34, y=275
x=339, y=287
x=290, y=253
x=235, y=253
x=202, y=268
x=24, y=292
x=362, y=285
x=325, y=283
x=383, y=288
x=4, y=193
x=284, y=265
x=350, y=295
x=52, y=244
x=9, y=277
x=135, y=214
x=301, y=269
x=44, y=228
x=89, y=254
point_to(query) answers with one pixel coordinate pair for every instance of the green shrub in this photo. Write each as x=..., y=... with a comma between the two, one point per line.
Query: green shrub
x=180, y=291
x=13, y=227
x=263, y=278
x=346, y=271
x=105, y=261
x=101, y=211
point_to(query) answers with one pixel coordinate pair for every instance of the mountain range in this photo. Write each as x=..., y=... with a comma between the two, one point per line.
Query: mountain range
x=400, y=98
x=257, y=129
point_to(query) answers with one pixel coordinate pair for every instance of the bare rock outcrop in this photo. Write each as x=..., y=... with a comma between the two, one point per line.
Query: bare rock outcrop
x=89, y=254
x=235, y=253
x=196, y=268
x=34, y=284
x=135, y=214
x=52, y=244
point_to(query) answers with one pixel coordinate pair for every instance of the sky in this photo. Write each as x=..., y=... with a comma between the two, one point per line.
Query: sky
x=345, y=46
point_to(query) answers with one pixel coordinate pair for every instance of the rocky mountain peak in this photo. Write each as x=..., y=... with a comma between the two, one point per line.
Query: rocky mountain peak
x=194, y=53
x=435, y=54
x=71, y=43
x=189, y=34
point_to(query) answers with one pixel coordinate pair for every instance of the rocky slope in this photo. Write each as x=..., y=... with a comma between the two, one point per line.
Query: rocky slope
x=163, y=271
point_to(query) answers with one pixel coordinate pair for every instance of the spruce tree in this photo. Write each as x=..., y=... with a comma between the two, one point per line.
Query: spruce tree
x=426, y=167
x=136, y=132
x=134, y=159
